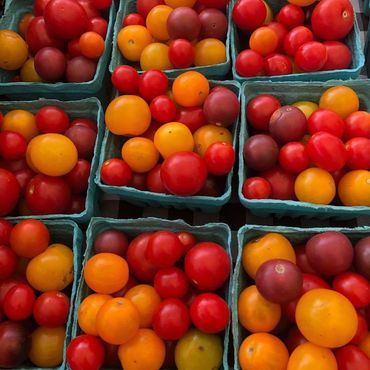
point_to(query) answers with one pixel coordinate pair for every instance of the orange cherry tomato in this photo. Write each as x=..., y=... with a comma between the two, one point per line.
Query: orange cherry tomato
x=354, y=188
x=13, y=51
x=177, y=3
x=20, y=121
x=155, y=56
x=92, y=45
x=264, y=40
x=156, y=22
x=209, y=52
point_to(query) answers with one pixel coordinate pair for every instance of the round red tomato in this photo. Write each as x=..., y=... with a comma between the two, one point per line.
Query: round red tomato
x=74, y=49
x=291, y=16
x=98, y=25
x=293, y=157
x=51, y=309
x=281, y=32
x=362, y=329
x=5, y=229
x=85, y=352
x=116, y=172
x=358, y=150
x=171, y=320
x=90, y=10
x=171, y=283
x=326, y=120
x=256, y=188
x=352, y=358
x=126, y=80
x=296, y=38
x=192, y=117
x=357, y=124
x=8, y=262
x=39, y=6
x=13, y=145
x=219, y=158
x=9, y=192
x=24, y=177
x=133, y=19
x=339, y=55
x=209, y=313
x=248, y=15
x=152, y=83
x=187, y=240
x=101, y=4
x=52, y=119
x=145, y=6
x=249, y=63
x=163, y=109
x=138, y=181
x=311, y=56
x=181, y=53
x=78, y=178
x=281, y=181
x=277, y=64
x=18, y=302
x=153, y=180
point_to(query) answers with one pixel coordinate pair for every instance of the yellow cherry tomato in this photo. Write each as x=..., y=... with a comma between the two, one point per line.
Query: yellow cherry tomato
x=13, y=50
x=52, y=154
x=354, y=188
x=128, y=115
x=155, y=56
x=326, y=318
x=156, y=22
x=20, y=121
x=209, y=52
x=307, y=107
x=28, y=72
x=173, y=137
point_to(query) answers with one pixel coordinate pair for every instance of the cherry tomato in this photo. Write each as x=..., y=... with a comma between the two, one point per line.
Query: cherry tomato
x=281, y=32
x=296, y=38
x=352, y=358
x=339, y=56
x=9, y=192
x=277, y=64
x=52, y=119
x=291, y=16
x=256, y=188
x=219, y=158
x=171, y=320
x=209, y=313
x=311, y=56
x=133, y=19
x=126, y=79
x=74, y=48
x=248, y=15
x=249, y=63
x=293, y=157
x=264, y=40
x=78, y=178
x=51, y=309
x=281, y=181
x=163, y=109
x=39, y=6
x=152, y=83
x=145, y=6
x=13, y=146
x=192, y=117
x=362, y=330
x=8, y=262
x=326, y=120
x=327, y=151
x=78, y=204
x=90, y=10
x=18, y=302
x=154, y=181
x=171, y=283
x=85, y=352
x=101, y=4
x=5, y=229
x=98, y=25
x=294, y=339
x=116, y=172
x=181, y=53
x=187, y=240
x=92, y=45
x=358, y=157
x=357, y=124
x=138, y=181
x=302, y=261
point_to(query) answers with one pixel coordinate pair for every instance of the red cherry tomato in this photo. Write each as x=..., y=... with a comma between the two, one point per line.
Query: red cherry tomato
x=249, y=63
x=13, y=146
x=98, y=25
x=152, y=83
x=281, y=32
x=5, y=229
x=291, y=16
x=78, y=204
x=171, y=320
x=357, y=124
x=90, y=10
x=133, y=19
x=277, y=64
x=362, y=330
x=339, y=56
x=153, y=180
x=163, y=109
x=187, y=240
x=352, y=358
x=219, y=158
x=311, y=56
x=18, y=302
x=52, y=119
x=171, y=283
x=326, y=120
x=327, y=151
x=115, y=172
x=192, y=117
x=8, y=262
x=85, y=352
x=281, y=181
x=296, y=38
x=51, y=309
x=248, y=15
x=138, y=181
x=358, y=150
x=78, y=178
x=293, y=157
x=302, y=261
x=126, y=80
x=256, y=188
x=74, y=49
x=209, y=313
x=39, y=6
x=101, y=4
x=181, y=53
x=9, y=192
x=145, y=6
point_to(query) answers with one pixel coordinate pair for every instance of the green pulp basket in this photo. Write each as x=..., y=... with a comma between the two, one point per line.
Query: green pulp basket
x=214, y=71
x=87, y=108
x=14, y=10
x=288, y=93
x=216, y=232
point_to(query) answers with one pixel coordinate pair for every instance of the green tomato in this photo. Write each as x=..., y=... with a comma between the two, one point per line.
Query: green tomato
x=199, y=351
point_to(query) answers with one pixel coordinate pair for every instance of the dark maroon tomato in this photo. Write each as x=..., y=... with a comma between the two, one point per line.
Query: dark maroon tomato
x=18, y=302
x=327, y=151
x=302, y=260
x=183, y=23
x=362, y=329
x=311, y=56
x=296, y=38
x=80, y=69
x=248, y=15
x=13, y=146
x=282, y=183
x=86, y=122
x=153, y=180
x=209, y=313
x=278, y=64
x=326, y=120
x=260, y=110
x=139, y=264
x=260, y=152
x=353, y=286
x=294, y=338
x=181, y=53
x=46, y=194
x=358, y=150
x=84, y=140
x=164, y=249
x=362, y=257
x=8, y=262
x=133, y=19
x=138, y=181
x=66, y=19
x=116, y=172
x=187, y=240
x=171, y=283
x=14, y=166
x=352, y=358
x=288, y=123
x=152, y=83
x=256, y=188
x=98, y=25
x=357, y=125
x=52, y=119
x=291, y=16
x=213, y=24
x=5, y=229
x=38, y=36
x=50, y=64
x=281, y=32
x=78, y=204
x=332, y=19
x=111, y=241
x=9, y=192
x=78, y=178
x=192, y=117
x=249, y=63
x=51, y=309
x=213, y=187
x=184, y=173
x=219, y=158
x=171, y=321
x=293, y=157
x=207, y=266
x=39, y=7
x=126, y=80
x=163, y=109
x=85, y=352
x=339, y=56
x=101, y=4
x=145, y=6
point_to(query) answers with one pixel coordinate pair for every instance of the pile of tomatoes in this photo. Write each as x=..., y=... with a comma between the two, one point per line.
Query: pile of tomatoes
x=180, y=142
x=62, y=40
x=35, y=277
x=308, y=307
x=146, y=293
x=309, y=152
x=45, y=161
x=174, y=35
x=305, y=36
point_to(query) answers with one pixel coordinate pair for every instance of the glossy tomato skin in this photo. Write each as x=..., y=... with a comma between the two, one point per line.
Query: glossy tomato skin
x=249, y=14
x=78, y=178
x=13, y=146
x=339, y=55
x=85, y=352
x=187, y=240
x=9, y=192
x=101, y=4
x=326, y=120
x=145, y=6
x=39, y=6
x=5, y=229
x=163, y=109
x=152, y=83
x=192, y=117
x=352, y=358
x=277, y=64
x=18, y=302
x=293, y=157
x=260, y=110
x=302, y=260
x=126, y=80
x=281, y=181
x=8, y=262
x=153, y=180
x=362, y=329
x=220, y=158
x=98, y=25
x=116, y=172
x=133, y=19
x=291, y=16
x=311, y=56
x=52, y=119
x=357, y=124
x=296, y=38
x=171, y=283
x=181, y=53
x=256, y=188
x=249, y=63
x=358, y=157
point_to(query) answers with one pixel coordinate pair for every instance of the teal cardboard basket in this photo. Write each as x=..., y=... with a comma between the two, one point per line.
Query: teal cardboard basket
x=66, y=232
x=367, y=7
x=215, y=232
x=214, y=71
x=288, y=93
x=352, y=40
x=297, y=236
x=111, y=148
x=14, y=10
x=87, y=108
